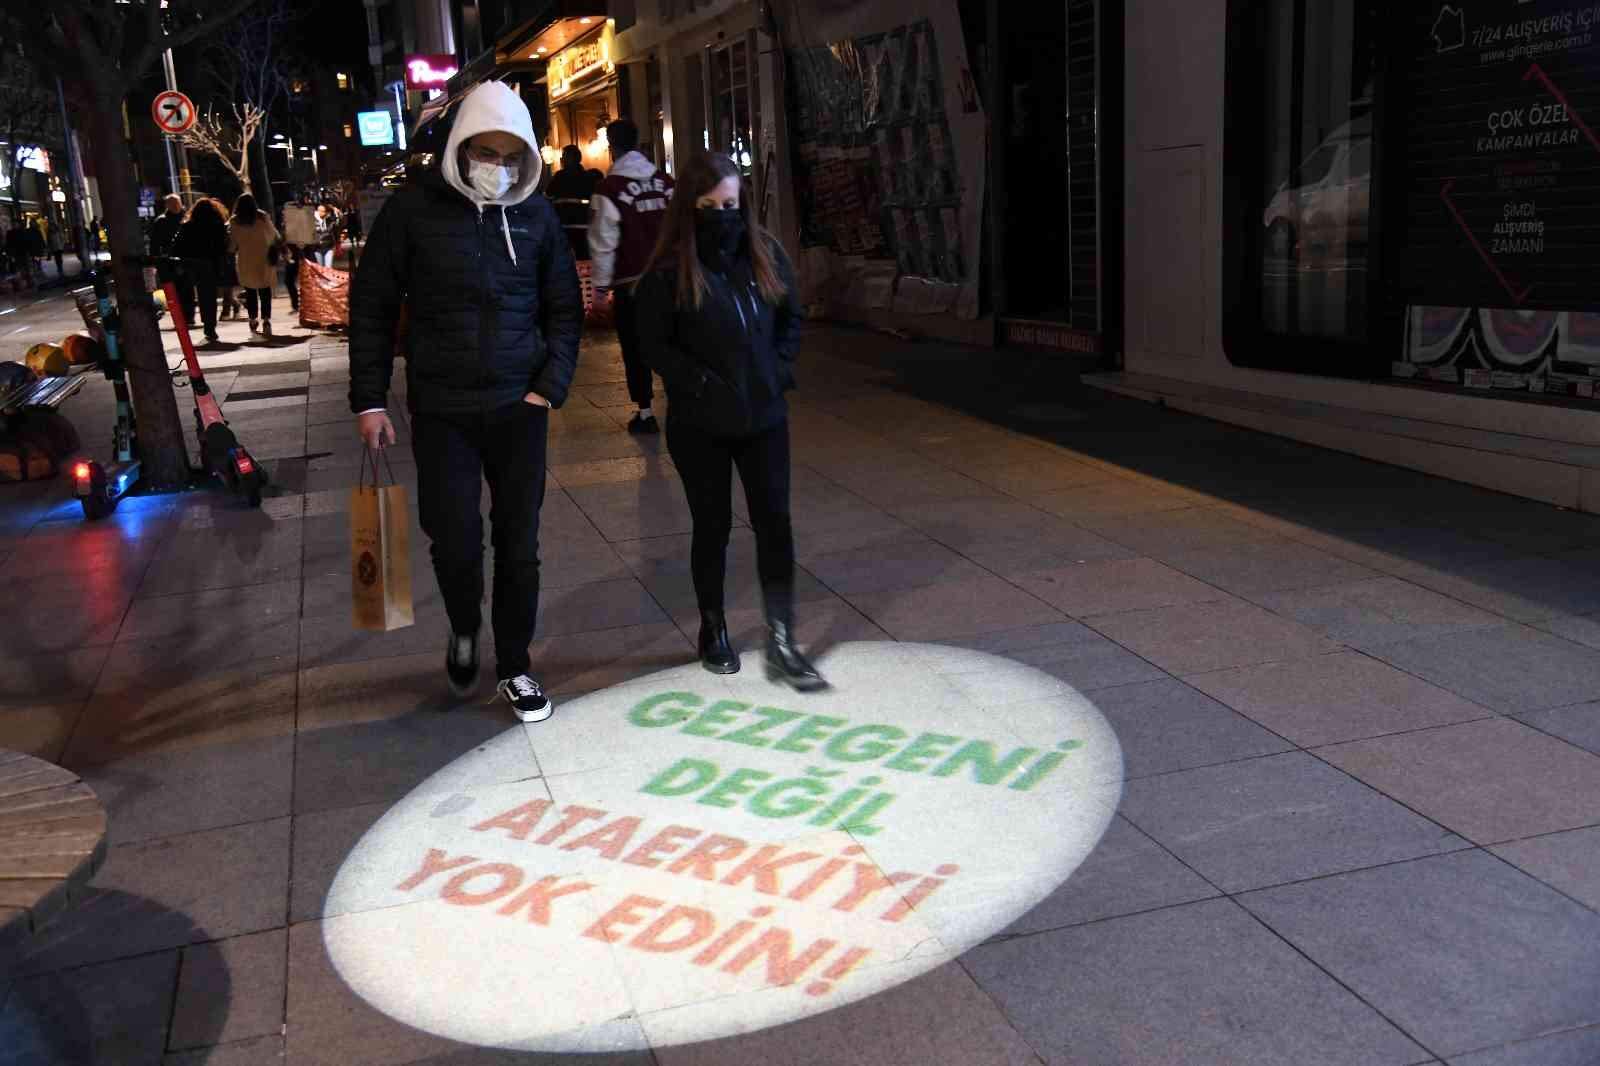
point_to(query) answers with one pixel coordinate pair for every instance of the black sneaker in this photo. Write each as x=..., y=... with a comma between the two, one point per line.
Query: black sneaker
x=461, y=664
x=527, y=699
x=643, y=423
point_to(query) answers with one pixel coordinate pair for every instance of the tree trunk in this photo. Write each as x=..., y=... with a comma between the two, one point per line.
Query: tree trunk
x=162, y=448
x=244, y=165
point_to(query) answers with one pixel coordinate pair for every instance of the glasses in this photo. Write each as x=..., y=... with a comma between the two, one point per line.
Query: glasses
x=489, y=155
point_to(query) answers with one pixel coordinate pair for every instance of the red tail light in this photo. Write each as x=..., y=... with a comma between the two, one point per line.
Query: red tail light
x=245, y=464
x=81, y=471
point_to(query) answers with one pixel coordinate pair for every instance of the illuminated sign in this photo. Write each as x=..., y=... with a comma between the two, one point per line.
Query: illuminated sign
x=579, y=61
x=429, y=72
x=377, y=128
x=34, y=158
x=689, y=856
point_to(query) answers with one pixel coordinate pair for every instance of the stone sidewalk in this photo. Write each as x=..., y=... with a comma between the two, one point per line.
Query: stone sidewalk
x=1359, y=710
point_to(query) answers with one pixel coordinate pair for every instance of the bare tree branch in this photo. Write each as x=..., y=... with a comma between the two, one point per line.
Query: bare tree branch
x=228, y=142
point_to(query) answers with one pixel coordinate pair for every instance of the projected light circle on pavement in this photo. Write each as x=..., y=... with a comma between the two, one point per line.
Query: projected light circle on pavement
x=688, y=856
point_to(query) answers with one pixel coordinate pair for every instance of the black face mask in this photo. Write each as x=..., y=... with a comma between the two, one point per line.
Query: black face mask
x=718, y=234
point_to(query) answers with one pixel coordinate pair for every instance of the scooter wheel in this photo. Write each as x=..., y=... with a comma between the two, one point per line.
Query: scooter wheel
x=252, y=490
x=95, y=507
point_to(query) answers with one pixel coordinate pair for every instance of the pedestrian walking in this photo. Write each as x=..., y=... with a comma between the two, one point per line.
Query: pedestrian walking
x=17, y=251
x=202, y=244
x=494, y=316
x=626, y=213
x=37, y=248
x=570, y=191
x=228, y=276
x=163, y=232
x=719, y=320
x=255, y=242
x=58, y=245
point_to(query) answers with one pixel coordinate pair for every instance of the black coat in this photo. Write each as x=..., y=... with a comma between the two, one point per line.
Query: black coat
x=163, y=231
x=727, y=363
x=202, y=244
x=482, y=332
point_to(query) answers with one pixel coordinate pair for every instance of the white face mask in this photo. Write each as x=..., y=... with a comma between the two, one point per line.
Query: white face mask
x=490, y=180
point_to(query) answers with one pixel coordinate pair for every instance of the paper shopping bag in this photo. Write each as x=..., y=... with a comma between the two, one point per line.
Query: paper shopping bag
x=380, y=555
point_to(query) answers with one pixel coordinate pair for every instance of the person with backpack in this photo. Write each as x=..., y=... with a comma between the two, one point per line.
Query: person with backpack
x=493, y=313
x=625, y=219
x=719, y=320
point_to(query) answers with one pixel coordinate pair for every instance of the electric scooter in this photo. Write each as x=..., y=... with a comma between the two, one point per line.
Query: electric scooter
x=100, y=486
x=220, y=451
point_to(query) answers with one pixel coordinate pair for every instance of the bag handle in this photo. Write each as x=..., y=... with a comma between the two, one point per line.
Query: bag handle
x=369, y=456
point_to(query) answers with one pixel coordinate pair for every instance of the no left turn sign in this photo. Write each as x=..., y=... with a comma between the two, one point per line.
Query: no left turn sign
x=173, y=112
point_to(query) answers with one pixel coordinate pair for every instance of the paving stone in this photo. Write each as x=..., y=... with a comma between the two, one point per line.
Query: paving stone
x=1056, y=547
x=1367, y=614
x=194, y=615
x=1331, y=698
x=1115, y=586
x=1461, y=951
x=596, y=606
x=50, y=628
x=1127, y=872
x=1166, y=725
x=1578, y=725
x=1528, y=589
x=1281, y=818
x=39, y=731
x=68, y=676
x=1568, y=862
x=329, y=1025
x=114, y=1012
x=257, y=1051
x=1198, y=638
x=1085, y=503
x=1583, y=629
x=211, y=559
x=892, y=566
x=1511, y=669
x=169, y=893
x=230, y=990
x=329, y=639
x=1490, y=781
x=322, y=841
x=953, y=609
x=1186, y=986
x=841, y=529
x=164, y=793
x=1089, y=663
x=942, y=1016
x=1266, y=567
x=1170, y=532
x=385, y=758
x=1578, y=1047
x=206, y=649
x=1027, y=479
x=144, y=713
x=565, y=564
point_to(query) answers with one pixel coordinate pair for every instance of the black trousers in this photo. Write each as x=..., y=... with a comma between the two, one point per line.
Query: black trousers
x=705, y=463
x=640, y=389
x=258, y=299
x=455, y=455
x=291, y=279
x=198, y=288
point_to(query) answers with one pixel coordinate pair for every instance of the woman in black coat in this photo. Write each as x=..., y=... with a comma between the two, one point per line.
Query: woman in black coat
x=719, y=321
x=202, y=244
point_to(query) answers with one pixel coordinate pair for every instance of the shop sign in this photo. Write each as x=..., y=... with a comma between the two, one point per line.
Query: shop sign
x=425, y=72
x=1048, y=335
x=376, y=128
x=1504, y=155
x=687, y=856
x=573, y=64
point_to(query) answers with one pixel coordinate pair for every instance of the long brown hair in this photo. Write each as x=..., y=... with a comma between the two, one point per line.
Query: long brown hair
x=704, y=172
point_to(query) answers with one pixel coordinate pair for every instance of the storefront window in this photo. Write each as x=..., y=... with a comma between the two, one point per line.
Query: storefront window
x=1302, y=79
x=732, y=127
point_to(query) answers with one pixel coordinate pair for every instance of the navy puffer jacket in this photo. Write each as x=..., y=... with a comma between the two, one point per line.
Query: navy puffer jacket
x=494, y=307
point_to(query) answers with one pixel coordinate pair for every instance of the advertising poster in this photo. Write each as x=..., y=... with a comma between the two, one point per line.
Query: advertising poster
x=889, y=153
x=1504, y=159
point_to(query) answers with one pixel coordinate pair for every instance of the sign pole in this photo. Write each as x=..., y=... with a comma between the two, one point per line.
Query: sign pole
x=182, y=184
x=80, y=238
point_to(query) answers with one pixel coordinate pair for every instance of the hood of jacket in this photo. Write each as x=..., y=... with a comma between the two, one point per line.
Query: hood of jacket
x=633, y=165
x=492, y=106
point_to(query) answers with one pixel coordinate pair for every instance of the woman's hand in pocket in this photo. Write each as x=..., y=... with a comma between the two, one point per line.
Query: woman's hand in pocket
x=536, y=400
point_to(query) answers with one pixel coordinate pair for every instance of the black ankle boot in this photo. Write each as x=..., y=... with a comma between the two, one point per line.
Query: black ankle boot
x=716, y=651
x=785, y=661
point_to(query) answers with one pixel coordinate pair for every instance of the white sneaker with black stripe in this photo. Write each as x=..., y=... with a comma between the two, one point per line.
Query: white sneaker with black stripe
x=527, y=698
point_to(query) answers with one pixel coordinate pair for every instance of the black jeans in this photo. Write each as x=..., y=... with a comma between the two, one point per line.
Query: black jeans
x=705, y=463
x=198, y=289
x=455, y=455
x=640, y=389
x=262, y=298
x=291, y=278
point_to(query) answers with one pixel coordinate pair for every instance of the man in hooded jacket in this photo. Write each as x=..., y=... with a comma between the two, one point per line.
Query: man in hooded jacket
x=495, y=313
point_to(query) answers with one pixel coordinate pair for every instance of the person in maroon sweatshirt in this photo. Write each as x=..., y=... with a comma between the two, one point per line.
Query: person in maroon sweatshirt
x=624, y=222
